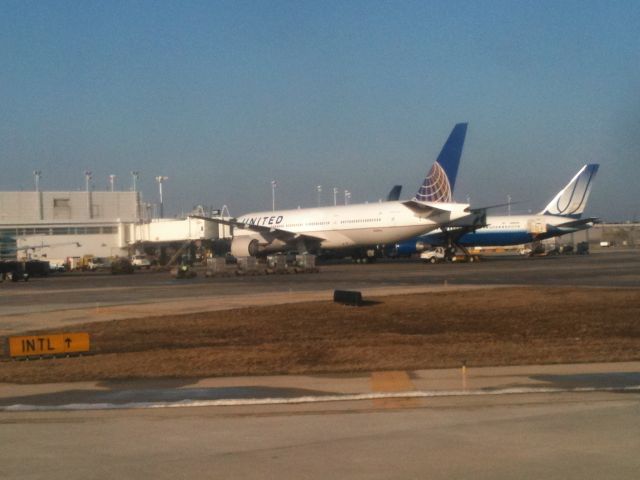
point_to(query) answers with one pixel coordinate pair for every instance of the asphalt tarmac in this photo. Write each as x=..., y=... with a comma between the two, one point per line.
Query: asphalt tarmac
x=562, y=421
x=74, y=298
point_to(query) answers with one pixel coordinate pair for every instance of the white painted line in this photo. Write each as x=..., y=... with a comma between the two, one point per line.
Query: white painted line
x=309, y=399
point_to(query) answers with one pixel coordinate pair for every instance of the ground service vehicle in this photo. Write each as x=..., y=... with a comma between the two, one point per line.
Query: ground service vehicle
x=98, y=263
x=121, y=265
x=140, y=261
x=435, y=255
x=440, y=254
x=13, y=271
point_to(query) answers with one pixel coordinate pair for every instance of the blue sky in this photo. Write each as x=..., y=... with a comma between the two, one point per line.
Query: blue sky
x=223, y=97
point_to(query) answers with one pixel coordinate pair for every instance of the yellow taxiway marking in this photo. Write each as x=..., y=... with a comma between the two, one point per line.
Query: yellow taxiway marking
x=393, y=381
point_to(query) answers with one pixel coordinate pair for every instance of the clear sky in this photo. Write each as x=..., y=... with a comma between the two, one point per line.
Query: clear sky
x=223, y=97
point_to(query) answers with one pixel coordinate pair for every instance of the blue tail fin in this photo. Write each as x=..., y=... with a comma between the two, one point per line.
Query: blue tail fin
x=394, y=193
x=572, y=199
x=440, y=181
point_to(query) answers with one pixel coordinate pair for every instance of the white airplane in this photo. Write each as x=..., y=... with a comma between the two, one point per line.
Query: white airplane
x=348, y=226
x=562, y=215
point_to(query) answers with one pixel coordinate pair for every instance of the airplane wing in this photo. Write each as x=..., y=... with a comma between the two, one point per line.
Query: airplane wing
x=40, y=246
x=468, y=223
x=269, y=232
x=455, y=233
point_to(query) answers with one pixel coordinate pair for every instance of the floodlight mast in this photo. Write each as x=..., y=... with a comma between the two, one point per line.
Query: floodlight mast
x=161, y=179
x=87, y=179
x=36, y=179
x=135, y=175
x=274, y=185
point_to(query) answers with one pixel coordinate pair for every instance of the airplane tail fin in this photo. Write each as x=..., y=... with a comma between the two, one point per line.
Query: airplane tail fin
x=394, y=193
x=572, y=199
x=440, y=181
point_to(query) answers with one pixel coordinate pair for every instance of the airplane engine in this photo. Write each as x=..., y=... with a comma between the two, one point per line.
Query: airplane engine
x=421, y=246
x=409, y=247
x=246, y=246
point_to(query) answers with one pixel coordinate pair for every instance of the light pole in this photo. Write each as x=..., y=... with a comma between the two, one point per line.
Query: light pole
x=134, y=175
x=87, y=179
x=274, y=185
x=161, y=179
x=319, y=189
x=509, y=205
x=36, y=179
x=347, y=197
x=112, y=181
x=335, y=196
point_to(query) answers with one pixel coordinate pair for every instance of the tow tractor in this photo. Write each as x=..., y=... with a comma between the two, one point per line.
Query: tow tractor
x=441, y=254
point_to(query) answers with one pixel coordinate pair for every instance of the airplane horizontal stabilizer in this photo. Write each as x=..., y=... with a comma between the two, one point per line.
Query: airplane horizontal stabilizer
x=424, y=210
x=578, y=223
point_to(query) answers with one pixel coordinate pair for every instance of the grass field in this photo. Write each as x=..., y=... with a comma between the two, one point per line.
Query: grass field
x=502, y=326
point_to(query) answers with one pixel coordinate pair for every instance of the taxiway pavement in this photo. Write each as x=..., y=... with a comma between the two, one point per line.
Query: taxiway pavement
x=555, y=422
x=552, y=422
x=68, y=299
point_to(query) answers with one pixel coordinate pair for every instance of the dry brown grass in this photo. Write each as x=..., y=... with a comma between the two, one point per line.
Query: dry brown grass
x=503, y=326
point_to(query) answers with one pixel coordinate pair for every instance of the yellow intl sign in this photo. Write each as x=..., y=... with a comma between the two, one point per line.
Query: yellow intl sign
x=50, y=344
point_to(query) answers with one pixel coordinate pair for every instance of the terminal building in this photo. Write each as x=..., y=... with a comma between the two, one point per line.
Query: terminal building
x=63, y=225
x=606, y=235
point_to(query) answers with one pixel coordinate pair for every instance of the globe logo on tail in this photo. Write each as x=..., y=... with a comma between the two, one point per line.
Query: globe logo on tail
x=436, y=187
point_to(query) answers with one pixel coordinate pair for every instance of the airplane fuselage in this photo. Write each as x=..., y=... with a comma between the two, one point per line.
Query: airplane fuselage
x=352, y=225
x=511, y=230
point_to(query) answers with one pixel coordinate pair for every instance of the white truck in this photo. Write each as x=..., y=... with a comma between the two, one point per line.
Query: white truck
x=140, y=261
x=439, y=254
x=435, y=255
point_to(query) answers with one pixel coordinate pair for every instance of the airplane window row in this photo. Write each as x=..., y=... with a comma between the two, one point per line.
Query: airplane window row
x=313, y=224
x=317, y=223
x=502, y=226
x=362, y=220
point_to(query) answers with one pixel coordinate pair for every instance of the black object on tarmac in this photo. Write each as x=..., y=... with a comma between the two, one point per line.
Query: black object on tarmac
x=348, y=297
